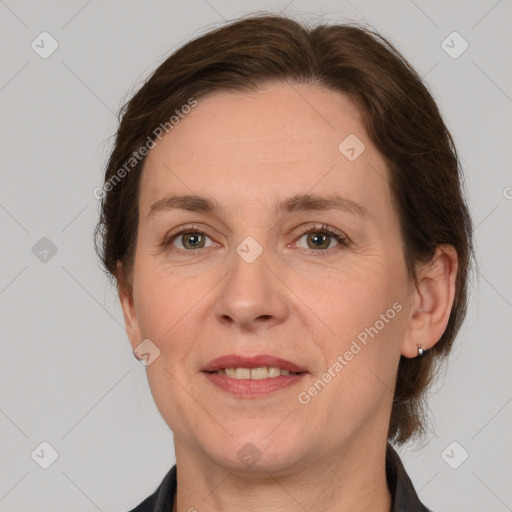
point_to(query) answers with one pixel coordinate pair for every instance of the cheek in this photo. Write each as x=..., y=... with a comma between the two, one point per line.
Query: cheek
x=368, y=317
x=352, y=296
x=364, y=308
x=166, y=316
x=161, y=301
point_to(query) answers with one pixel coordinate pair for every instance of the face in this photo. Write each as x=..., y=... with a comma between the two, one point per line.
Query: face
x=321, y=285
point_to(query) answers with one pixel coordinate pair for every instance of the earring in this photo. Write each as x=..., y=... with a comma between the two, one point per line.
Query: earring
x=421, y=351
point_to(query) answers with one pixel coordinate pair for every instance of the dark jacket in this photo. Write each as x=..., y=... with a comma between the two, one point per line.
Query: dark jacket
x=403, y=495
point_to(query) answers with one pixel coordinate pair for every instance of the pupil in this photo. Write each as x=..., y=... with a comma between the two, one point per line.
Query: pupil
x=193, y=239
x=320, y=238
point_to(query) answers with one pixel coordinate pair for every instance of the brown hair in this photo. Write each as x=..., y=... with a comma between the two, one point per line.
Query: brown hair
x=399, y=114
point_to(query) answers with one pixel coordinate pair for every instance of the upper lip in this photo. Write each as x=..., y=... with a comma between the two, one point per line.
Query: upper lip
x=235, y=361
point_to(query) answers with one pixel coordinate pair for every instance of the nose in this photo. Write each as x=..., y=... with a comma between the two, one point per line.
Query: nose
x=252, y=294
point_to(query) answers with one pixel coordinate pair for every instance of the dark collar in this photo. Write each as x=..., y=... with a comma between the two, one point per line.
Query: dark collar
x=403, y=495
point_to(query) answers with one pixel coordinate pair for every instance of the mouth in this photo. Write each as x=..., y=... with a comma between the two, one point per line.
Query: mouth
x=250, y=377
x=258, y=373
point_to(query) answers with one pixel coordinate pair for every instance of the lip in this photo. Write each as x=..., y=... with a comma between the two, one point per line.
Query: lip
x=252, y=388
x=249, y=388
x=236, y=361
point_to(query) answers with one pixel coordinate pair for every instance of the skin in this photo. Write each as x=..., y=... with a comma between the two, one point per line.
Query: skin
x=249, y=151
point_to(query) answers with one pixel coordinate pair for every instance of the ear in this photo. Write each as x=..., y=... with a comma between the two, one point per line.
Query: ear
x=431, y=301
x=125, y=291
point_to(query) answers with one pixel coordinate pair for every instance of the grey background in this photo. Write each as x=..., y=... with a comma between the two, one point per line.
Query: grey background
x=68, y=376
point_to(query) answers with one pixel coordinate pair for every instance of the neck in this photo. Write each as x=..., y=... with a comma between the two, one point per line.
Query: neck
x=354, y=481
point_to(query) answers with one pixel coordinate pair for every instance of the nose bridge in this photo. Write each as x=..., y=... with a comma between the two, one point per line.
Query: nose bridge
x=251, y=293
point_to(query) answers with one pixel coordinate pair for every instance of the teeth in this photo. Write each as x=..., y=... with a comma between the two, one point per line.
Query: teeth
x=259, y=373
x=274, y=372
x=262, y=372
x=242, y=373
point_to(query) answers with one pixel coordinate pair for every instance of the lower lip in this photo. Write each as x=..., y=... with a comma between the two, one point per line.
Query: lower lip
x=249, y=388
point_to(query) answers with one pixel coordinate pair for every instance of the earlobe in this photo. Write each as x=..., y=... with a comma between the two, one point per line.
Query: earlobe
x=432, y=302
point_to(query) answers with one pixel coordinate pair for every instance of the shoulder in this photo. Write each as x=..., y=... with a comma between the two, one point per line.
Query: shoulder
x=162, y=499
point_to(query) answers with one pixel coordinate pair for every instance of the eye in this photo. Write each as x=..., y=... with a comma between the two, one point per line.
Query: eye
x=320, y=239
x=188, y=239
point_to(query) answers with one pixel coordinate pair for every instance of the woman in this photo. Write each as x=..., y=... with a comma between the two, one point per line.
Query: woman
x=283, y=216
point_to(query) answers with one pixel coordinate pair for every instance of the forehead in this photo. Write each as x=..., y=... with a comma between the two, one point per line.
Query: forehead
x=281, y=140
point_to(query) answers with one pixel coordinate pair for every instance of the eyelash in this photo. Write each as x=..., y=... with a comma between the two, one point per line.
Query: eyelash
x=342, y=240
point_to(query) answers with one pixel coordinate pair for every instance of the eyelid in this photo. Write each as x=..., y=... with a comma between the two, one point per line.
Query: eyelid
x=180, y=230
x=316, y=227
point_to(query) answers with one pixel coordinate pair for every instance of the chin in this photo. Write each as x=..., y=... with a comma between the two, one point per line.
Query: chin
x=258, y=452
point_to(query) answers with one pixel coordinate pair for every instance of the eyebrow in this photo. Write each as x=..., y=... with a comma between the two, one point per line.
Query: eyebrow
x=296, y=203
